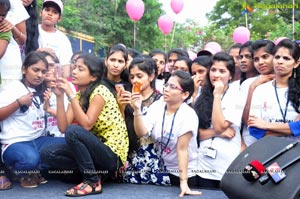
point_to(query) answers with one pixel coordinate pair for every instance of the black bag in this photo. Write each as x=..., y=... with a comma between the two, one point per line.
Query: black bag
x=235, y=186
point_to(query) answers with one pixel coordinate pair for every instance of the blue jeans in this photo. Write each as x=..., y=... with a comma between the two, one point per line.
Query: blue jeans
x=83, y=151
x=25, y=156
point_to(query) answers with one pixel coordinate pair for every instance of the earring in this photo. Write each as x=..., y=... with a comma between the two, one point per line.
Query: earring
x=294, y=73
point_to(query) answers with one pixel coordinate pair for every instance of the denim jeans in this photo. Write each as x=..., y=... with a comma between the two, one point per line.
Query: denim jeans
x=24, y=157
x=83, y=150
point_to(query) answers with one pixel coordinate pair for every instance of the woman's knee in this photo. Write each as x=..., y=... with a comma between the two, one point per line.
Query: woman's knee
x=73, y=132
x=25, y=159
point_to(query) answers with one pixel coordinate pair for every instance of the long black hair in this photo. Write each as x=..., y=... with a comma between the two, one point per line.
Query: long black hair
x=294, y=79
x=32, y=31
x=95, y=66
x=203, y=104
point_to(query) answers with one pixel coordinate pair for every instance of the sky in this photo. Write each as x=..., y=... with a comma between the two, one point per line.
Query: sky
x=192, y=9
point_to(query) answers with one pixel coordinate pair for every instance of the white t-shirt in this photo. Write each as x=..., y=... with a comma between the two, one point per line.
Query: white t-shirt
x=57, y=41
x=159, y=85
x=11, y=62
x=227, y=149
x=265, y=105
x=248, y=139
x=185, y=120
x=19, y=127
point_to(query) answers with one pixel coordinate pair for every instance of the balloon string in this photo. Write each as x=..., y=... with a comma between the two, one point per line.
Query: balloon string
x=173, y=34
x=165, y=43
x=134, y=34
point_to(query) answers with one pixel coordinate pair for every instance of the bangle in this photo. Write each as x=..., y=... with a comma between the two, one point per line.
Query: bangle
x=19, y=36
x=19, y=102
x=72, y=97
x=137, y=114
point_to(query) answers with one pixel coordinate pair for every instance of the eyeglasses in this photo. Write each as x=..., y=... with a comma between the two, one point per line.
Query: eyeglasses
x=172, y=86
x=240, y=57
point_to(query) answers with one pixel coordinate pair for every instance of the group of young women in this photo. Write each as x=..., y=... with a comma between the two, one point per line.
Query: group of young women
x=147, y=136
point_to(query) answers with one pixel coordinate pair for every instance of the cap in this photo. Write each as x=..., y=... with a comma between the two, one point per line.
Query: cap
x=57, y=3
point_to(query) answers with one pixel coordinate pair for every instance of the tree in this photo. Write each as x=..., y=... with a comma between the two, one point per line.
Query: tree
x=108, y=22
x=268, y=17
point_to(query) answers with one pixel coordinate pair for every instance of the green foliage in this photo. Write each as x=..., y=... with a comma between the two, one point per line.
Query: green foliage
x=269, y=20
x=107, y=21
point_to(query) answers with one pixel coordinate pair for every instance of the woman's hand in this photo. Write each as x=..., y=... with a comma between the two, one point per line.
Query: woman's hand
x=62, y=86
x=197, y=82
x=46, y=105
x=185, y=190
x=6, y=26
x=262, y=79
x=257, y=122
x=218, y=88
x=124, y=98
x=228, y=133
x=136, y=101
x=26, y=99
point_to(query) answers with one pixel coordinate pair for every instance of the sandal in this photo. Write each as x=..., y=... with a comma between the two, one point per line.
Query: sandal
x=75, y=191
x=5, y=184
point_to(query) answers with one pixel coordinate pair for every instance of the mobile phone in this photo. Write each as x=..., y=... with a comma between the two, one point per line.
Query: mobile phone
x=120, y=89
x=137, y=87
x=58, y=70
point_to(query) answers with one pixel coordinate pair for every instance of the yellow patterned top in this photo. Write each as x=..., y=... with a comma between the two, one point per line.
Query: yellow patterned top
x=110, y=126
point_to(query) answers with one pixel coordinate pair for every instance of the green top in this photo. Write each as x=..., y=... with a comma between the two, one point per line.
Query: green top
x=5, y=36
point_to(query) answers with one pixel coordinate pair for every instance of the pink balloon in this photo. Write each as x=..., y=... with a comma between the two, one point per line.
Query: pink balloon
x=177, y=6
x=165, y=24
x=241, y=35
x=279, y=40
x=210, y=48
x=192, y=55
x=213, y=47
x=135, y=9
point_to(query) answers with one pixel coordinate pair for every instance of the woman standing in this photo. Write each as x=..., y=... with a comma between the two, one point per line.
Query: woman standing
x=99, y=143
x=219, y=122
x=263, y=62
x=175, y=137
x=277, y=102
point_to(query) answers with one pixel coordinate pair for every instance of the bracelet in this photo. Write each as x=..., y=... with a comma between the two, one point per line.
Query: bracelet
x=71, y=97
x=137, y=114
x=19, y=36
x=19, y=102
